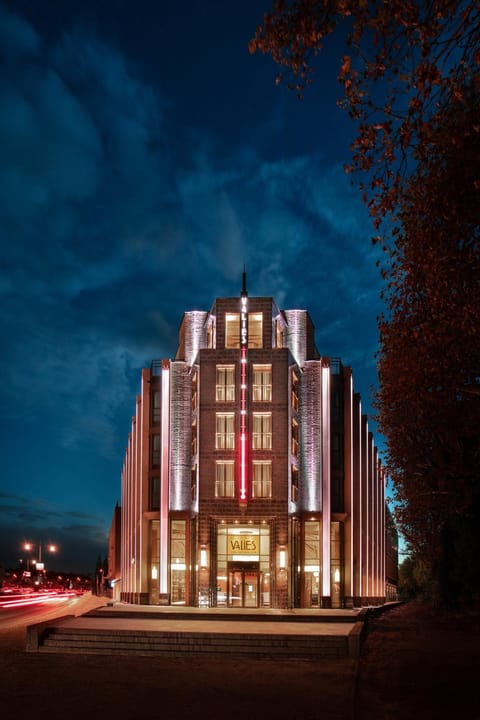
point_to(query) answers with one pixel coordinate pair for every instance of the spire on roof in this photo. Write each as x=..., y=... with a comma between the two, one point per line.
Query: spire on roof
x=244, y=292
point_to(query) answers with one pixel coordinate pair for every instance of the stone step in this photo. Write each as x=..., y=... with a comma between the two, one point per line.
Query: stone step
x=58, y=639
x=219, y=615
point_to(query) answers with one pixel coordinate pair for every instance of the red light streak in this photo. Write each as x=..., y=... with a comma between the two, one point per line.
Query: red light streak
x=243, y=425
x=35, y=599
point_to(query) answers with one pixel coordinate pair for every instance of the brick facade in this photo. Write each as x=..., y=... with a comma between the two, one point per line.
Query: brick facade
x=310, y=531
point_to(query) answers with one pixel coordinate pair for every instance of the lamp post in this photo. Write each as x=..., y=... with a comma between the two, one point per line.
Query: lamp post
x=49, y=547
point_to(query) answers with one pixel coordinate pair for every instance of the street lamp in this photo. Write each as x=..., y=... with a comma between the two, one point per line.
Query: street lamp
x=49, y=547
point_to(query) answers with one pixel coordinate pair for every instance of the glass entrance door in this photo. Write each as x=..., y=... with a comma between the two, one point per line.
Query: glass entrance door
x=243, y=588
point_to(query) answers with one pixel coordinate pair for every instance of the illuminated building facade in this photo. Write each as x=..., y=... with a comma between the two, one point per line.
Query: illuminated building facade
x=250, y=477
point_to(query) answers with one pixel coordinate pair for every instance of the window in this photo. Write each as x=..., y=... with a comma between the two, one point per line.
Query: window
x=262, y=479
x=210, y=330
x=262, y=431
x=225, y=431
x=279, y=334
x=294, y=437
x=225, y=389
x=156, y=407
x=224, y=480
x=194, y=392
x=255, y=330
x=194, y=438
x=155, y=450
x=262, y=383
x=194, y=483
x=154, y=492
x=178, y=562
x=232, y=330
x=294, y=483
x=294, y=392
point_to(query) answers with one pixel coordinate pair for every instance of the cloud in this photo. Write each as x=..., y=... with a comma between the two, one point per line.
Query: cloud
x=111, y=233
x=79, y=537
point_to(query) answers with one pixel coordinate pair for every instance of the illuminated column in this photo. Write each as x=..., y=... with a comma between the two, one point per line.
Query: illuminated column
x=357, y=498
x=349, y=590
x=164, y=477
x=364, y=508
x=243, y=396
x=326, y=478
x=369, y=511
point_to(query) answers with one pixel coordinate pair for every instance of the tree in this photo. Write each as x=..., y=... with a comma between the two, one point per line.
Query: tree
x=411, y=82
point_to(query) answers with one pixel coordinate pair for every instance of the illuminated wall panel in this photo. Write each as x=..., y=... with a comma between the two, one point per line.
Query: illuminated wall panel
x=180, y=436
x=296, y=334
x=310, y=433
x=195, y=334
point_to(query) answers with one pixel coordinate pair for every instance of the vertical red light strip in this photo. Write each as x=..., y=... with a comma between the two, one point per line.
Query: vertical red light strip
x=243, y=424
x=243, y=397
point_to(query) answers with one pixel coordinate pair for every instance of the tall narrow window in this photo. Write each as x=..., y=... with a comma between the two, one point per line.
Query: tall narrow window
x=294, y=483
x=336, y=562
x=294, y=391
x=225, y=479
x=156, y=407
x=225, y=387
x=194, y=483
x=279, y=334
x=255, y=330
x=210, y=335
x=262, y=431
x=232, y=330
x=262, y=383
x=194, y=392
x=178, y=564
x=312, y=567
x=225, y=431
x=194, y=438
x=262, y=479
x=294, y=437
x=155, y=450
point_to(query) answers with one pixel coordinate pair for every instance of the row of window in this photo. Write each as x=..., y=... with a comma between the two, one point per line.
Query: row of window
x=225, y=435
x=261, y=479
x=261, y=383
x=254, y=332
x=261, y=431
x=225, y=388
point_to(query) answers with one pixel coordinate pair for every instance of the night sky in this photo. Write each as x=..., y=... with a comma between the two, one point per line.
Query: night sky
x=145, y=156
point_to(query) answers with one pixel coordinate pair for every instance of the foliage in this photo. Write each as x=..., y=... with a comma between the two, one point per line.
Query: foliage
x=408, y=60
x=413, y=580
x=412, y=83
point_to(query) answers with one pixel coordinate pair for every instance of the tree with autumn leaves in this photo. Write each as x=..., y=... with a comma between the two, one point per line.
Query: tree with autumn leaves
x=411, y=82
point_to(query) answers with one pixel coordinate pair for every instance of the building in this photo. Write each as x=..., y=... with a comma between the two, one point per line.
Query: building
x=114, y=557
x=251, y=478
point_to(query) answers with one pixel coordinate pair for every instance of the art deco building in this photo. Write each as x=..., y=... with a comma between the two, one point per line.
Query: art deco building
x=251, y=478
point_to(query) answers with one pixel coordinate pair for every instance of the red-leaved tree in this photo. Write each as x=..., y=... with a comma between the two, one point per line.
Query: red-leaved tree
x=411, y=82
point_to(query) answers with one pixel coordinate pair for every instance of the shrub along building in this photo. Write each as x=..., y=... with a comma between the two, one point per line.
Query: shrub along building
x=250, y=477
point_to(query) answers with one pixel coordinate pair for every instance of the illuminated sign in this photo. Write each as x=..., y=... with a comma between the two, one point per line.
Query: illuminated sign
x=243, y=545
x=243, y=322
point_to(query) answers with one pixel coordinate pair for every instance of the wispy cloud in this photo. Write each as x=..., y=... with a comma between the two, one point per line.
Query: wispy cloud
x=116, y=216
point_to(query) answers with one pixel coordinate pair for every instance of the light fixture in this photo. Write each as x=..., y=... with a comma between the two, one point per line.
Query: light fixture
x=336, y=576
x=282, y=559
x=203, y=557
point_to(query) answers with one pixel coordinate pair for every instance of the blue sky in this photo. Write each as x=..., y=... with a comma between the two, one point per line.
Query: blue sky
x=145, y=156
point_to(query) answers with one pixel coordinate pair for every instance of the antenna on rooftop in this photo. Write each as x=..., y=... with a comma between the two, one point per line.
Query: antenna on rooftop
x=244, y=283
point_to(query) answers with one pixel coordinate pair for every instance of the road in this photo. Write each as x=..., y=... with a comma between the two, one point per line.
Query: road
x=27, y=608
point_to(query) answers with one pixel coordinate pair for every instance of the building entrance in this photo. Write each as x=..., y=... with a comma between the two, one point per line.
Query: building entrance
x=243, y=586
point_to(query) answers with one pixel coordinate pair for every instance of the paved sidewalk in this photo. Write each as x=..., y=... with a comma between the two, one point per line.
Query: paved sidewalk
x=120, y=628
x=54, y=686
